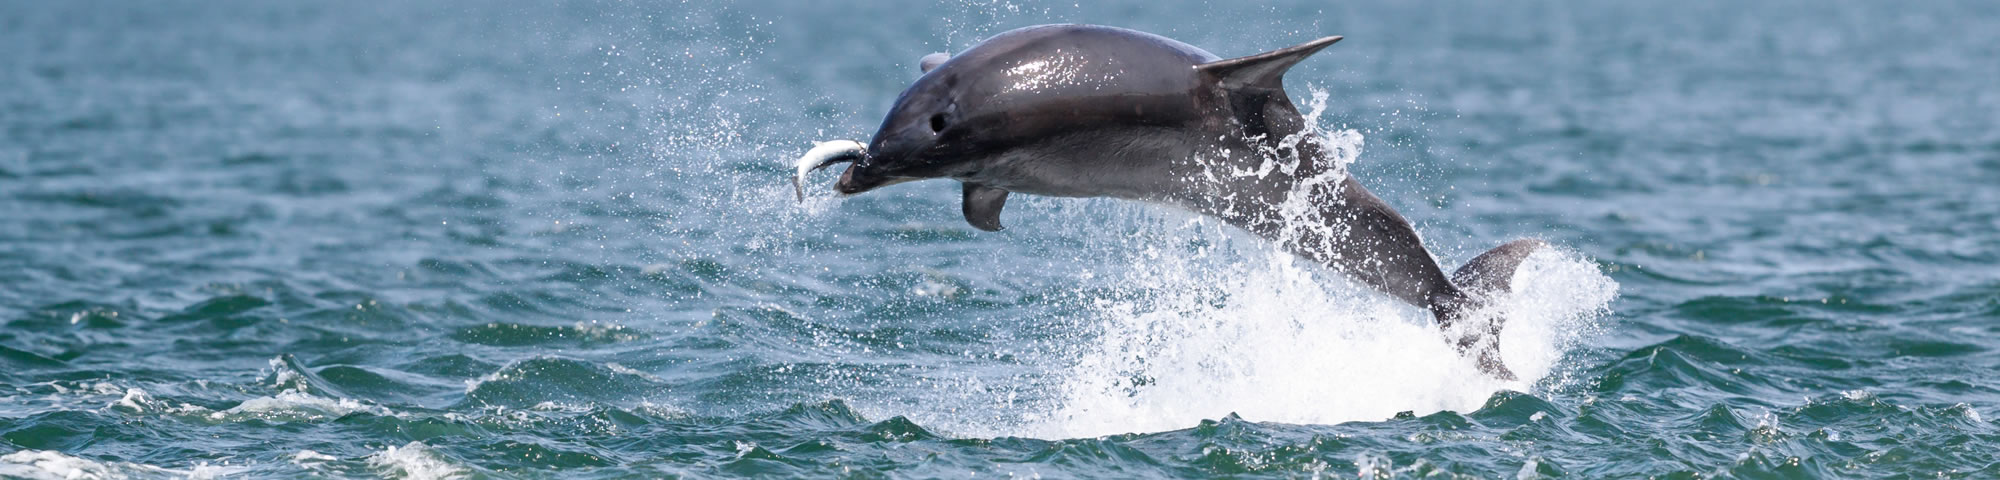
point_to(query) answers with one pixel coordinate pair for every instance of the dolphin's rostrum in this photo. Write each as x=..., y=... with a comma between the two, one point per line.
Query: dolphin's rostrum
x=1094, y=111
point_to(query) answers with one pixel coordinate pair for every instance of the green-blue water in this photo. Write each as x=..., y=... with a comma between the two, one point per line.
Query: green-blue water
x=424, y=240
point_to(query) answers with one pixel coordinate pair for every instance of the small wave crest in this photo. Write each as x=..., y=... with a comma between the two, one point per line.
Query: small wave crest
x=414, y=461
x=557, y=380
x=43, y=464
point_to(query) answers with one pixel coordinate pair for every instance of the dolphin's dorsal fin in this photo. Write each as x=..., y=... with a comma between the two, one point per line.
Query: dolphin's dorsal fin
x=982, y=206
x=1264, y=70
x=932, y=61
x=1254, y=87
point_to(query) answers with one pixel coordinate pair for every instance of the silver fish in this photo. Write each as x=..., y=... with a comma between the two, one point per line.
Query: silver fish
x=822, y=155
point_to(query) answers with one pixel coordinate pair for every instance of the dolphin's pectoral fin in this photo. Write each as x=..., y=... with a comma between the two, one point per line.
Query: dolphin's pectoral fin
x=932, y=61
x=982, y=206
x=1486, y=275
x=1264, y=70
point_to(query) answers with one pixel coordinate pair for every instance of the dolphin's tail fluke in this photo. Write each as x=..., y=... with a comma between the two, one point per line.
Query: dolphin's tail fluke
x=1494, y=270
x=1482, y=279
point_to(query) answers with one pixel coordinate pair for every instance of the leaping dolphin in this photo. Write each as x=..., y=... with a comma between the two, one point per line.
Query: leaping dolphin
x=1095, y=111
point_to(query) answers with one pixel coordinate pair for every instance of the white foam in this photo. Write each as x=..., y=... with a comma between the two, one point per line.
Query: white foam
x=295, y=405
x=206, y=471
x=284, y=377
x=43, y=464
x=103, y=388
x=665, y=411
x=1227, y=323
x=1271, y=340
x=58, y=395
x=1557, y=298
x=624, y=370
x=136, y=400
x=1530, y=470
x=310, y=457
x=414, y=461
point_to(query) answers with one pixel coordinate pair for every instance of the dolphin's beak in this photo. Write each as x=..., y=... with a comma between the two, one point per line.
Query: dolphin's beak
x=858, y=179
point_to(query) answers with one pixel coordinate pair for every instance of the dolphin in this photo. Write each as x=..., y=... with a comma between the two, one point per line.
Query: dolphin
x=1096, y=111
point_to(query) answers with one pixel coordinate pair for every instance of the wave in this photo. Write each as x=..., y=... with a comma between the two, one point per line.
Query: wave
x=43, y=464
x=415, y=461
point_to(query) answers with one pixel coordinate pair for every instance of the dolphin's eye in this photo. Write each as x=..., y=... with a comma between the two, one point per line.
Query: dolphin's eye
x=937, y=123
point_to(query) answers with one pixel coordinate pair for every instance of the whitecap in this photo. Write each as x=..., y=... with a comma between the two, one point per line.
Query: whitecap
x=293, y=405
x=43, y=464
x=414, y=461
x=305, y=457
x=136, y=400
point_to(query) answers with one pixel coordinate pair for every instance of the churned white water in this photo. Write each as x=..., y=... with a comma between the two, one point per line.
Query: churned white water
x=43, y=464
x=1270, y=340
x=414, y=461
x=1225, y=323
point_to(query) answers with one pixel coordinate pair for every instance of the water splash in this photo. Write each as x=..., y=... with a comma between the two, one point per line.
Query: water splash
x=1223, y=323
x=1244, y=328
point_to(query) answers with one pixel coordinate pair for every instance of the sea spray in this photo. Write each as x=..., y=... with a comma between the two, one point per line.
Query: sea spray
x=1241, y=327
x=1237, y=325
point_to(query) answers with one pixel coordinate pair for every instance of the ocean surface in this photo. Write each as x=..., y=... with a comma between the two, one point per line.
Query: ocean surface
x=558, y=240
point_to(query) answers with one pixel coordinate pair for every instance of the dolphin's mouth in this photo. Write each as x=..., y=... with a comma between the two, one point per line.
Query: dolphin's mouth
x=858, y=179
x=859, y=176
x=822, y=155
